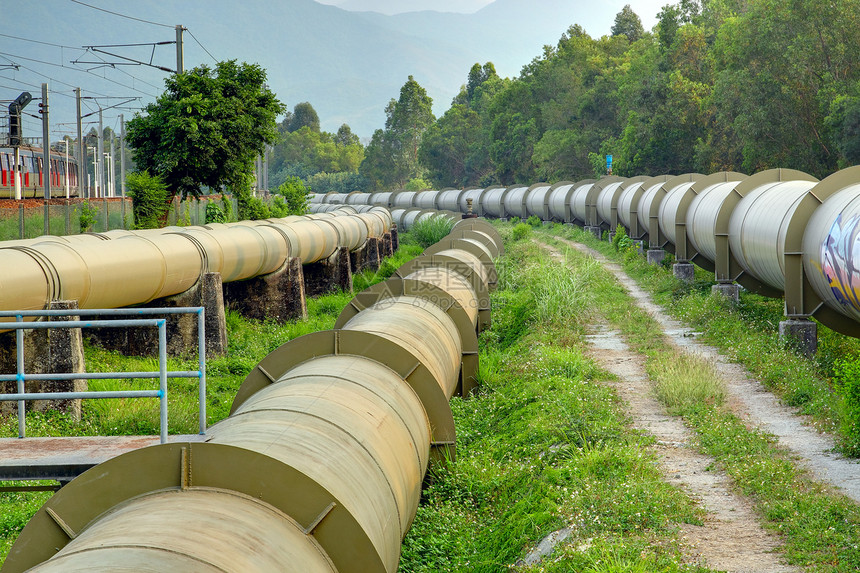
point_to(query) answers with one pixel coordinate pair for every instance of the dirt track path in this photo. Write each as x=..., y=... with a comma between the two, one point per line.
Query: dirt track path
x=749, y=398
x=731, y=538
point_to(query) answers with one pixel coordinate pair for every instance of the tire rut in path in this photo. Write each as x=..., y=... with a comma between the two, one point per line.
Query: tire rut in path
x=731, y=537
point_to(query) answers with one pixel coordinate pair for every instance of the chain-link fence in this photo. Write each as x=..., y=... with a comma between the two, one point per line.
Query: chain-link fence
x=33, y=217
x=29, y=219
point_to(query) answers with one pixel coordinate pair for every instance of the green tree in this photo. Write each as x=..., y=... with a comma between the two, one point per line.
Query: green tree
x=207, y=128
x=392, y=156
x=627, y=23
x=451, y=148
x=304, y=115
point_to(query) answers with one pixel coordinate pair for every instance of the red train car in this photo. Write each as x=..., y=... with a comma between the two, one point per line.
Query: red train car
x=32, y=174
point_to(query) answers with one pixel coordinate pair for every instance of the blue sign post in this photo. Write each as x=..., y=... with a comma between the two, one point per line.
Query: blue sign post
x=609, y=164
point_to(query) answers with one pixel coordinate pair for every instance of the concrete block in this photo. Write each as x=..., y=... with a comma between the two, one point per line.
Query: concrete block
x=181, y=329
x=56, y=351
x=611, y=236
x=395, y=239
x=655, y=256
x=279, y=295
x=593, y=230
x=684, y=271
x=801, y=334
x=387, y=249
x=329, y=275
x=366, y=257
x=728, y=290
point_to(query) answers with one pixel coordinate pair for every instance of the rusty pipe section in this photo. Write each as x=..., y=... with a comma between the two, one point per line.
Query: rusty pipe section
x=321, y=461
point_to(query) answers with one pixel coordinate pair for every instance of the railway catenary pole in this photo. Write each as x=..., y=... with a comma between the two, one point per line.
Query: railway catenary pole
x=100, y=174
x=122, y=155
x=83, y=190
x=180, y=56
x=46, y=154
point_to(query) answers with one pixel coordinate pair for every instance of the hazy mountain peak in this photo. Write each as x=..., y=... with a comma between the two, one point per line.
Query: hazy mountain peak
x=391, y=7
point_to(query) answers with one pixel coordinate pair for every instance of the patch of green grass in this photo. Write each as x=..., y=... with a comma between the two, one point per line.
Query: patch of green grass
x=683, y=381
x=431, y=230
x=542, y=446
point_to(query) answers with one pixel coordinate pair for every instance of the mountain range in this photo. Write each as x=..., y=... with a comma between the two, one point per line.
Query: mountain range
x=347, y=64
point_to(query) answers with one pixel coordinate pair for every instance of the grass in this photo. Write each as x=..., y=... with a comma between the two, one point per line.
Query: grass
x=819, y=528
x=543, y=445
x=683, y=381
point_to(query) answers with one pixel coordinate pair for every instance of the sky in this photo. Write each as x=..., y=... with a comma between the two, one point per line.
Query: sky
x=44, y=52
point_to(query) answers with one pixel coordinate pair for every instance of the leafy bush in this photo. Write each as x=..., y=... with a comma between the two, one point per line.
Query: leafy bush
x=150, y=200
x=88, y=217
x=341, y=182
x=215, y=212
x=848, y=383
x=227, y=205
x=534, y=221
x=291, y=198
x=417, y=184
x=621, y=242
x=431, y=230
x=521, y=231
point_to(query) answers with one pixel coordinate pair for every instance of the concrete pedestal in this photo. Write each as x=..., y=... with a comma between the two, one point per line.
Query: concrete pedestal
x=801, y=334
x=593, y=230
x=728, y=290
x=395, y=239
x=387, y=249
x=640, y=247
x=279, y=295
x=330, y=275
x=683, y=271
x=59, y=351
x=181, y=329
x=367, y=257
x=655, y=256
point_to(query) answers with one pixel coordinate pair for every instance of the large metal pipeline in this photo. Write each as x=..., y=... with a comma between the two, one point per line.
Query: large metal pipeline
x=770, y=232
x=320, y=464
x=122, y=268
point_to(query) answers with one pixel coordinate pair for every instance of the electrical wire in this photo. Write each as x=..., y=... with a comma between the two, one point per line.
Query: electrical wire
x=7, y=56
x=201, y=45
x=121, y=15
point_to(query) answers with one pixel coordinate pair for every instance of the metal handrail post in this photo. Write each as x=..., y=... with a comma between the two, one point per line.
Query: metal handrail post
x=19, y=352
x=162, y=366
x=201, y=354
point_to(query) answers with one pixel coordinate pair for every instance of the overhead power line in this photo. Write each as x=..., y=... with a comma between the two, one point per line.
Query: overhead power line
x=201, y=45
x=121, y=15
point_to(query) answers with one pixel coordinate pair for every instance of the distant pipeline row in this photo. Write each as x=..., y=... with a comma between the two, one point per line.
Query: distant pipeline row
x=319, y=465
x=779, y=233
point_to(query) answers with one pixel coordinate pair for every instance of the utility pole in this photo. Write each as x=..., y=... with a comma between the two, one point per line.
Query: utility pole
x=100, y=175
x=122, y=155
x=180, y=56
x=83, y=190
x=46, y=156
x=112, y=166
x=46, y=145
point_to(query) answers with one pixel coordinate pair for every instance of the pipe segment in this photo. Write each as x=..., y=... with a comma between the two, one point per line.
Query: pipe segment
x=537, y=201
x=320, y=463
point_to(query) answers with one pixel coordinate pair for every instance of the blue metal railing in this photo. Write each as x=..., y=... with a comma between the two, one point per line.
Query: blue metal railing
x=162, y=375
